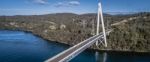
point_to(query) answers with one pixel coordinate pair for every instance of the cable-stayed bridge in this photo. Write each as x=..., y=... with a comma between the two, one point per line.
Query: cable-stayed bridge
x=72, y=52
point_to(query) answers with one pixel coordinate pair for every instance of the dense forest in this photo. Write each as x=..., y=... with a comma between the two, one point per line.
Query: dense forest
x=131, y=32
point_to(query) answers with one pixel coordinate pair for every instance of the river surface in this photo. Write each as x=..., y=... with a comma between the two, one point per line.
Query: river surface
x=18, y=46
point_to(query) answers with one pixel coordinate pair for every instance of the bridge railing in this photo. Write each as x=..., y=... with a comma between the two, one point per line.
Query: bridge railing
x=74, y=47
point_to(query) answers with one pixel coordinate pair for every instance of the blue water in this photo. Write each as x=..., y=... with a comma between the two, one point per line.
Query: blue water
x=18, y=46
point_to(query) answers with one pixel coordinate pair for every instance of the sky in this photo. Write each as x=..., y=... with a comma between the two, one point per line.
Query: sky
x=38, y=7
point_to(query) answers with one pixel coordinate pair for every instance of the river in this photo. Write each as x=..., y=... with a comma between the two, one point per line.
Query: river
x=19, y=46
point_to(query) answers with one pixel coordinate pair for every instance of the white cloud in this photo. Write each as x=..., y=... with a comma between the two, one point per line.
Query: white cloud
x=67, y=4
x=40, y=1
x=59, y=4
x=74, y=3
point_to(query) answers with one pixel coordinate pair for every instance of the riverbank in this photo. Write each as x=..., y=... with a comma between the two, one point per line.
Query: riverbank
x=91, y=48
x=21, y=45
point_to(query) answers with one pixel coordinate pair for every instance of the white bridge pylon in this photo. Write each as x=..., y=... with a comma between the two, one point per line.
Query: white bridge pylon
x=100, y=16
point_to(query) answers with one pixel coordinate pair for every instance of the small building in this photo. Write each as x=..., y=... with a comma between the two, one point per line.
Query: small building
x=62, y=26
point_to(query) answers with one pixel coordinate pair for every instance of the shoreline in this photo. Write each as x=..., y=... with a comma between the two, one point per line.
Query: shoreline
x=93, y=49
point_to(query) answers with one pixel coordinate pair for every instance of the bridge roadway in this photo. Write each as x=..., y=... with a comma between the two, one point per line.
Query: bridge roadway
x=72, y=52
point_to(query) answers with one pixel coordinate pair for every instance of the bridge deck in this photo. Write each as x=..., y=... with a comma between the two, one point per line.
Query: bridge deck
x=70, y=53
